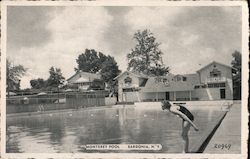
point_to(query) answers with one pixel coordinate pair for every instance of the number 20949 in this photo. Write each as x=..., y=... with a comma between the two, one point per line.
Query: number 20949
x=222, y=146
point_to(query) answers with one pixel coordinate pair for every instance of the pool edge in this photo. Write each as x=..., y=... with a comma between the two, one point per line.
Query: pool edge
x=200, y=146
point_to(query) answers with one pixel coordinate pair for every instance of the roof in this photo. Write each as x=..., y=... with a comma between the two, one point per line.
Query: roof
x=90, y=75
x=213, y=62
x=81, y=80
x=132, y=73
x=192, y=78
x=41, y=93
x=171, y=84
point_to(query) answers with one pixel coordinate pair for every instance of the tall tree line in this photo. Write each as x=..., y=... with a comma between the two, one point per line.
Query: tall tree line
x=52, y=83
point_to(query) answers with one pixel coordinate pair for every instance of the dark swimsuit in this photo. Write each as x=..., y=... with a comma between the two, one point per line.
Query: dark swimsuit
x=186, y=112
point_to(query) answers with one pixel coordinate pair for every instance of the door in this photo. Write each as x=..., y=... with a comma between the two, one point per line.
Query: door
x=222, y=94
x=167, y=96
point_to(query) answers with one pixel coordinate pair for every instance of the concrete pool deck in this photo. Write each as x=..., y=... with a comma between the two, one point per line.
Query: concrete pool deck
x=229, y=132
x=226, y=129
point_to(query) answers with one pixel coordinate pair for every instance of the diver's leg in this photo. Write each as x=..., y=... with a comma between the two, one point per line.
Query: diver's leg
x=185, y=129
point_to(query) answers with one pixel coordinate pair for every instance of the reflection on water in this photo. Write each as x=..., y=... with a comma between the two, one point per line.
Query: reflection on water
x=67, y=132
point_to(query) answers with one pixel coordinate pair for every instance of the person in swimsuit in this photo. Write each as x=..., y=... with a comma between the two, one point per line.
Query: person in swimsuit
x=187, y=120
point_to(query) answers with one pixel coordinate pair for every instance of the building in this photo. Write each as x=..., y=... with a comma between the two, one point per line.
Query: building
x=212, y=82
x=86, y=81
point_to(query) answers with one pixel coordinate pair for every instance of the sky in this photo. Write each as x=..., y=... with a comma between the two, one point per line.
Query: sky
x=39, y=37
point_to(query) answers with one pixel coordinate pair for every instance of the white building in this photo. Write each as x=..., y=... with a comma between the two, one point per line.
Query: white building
x=212, y=82
x=85, y=81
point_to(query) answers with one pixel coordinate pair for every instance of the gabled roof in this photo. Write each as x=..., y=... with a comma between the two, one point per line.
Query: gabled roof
x=132, y=73
x=171, y=85
x=91, y=75
x=214, y=62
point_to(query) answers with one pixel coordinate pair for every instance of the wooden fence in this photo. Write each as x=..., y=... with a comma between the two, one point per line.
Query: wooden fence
x=74, y=100
x=84, y=100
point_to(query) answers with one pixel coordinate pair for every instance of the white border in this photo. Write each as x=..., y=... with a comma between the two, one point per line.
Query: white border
x=244, y=117
x=245, y=79
x=3, y=76
x=124, y=3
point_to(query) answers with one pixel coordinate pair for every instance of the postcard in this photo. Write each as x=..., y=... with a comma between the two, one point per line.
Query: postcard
x=124, y=79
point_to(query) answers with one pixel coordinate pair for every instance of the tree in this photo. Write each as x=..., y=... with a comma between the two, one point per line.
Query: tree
x=109, y=71
x=89, y=61
x=146, y=56
x=236, y=64
x=13, y=75
x=38, y=83
x=97, y=62
x=55, y=79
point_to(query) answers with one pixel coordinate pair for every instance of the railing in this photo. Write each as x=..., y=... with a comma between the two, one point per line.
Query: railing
x=215, y=79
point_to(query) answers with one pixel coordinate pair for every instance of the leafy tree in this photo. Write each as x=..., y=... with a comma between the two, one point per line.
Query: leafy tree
x=109, y=71
x=146, y=57
x=236, y=64
x=13, y=75
x=38, y=83
x=89, y=61
x=55, y=78
x=97, y=62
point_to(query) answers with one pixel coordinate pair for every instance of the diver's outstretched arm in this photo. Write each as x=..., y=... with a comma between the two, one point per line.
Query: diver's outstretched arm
x=183, y=116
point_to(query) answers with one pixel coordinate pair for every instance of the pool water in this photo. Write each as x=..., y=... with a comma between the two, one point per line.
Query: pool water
x=66, y=132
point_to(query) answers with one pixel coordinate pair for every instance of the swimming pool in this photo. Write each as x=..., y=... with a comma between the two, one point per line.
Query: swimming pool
x=66, y=132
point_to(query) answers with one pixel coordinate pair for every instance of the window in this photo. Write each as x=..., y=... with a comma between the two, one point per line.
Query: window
x=200, y=86
x=128, y=80
x=204, y=86
x=222, y=84
x=178, y=78
x=196, y=87
x=143, y=82
x=210, y=86
x=157, y=79
x=216, y=85
x=184, y=78
x=165, y=81
x=215, y=73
